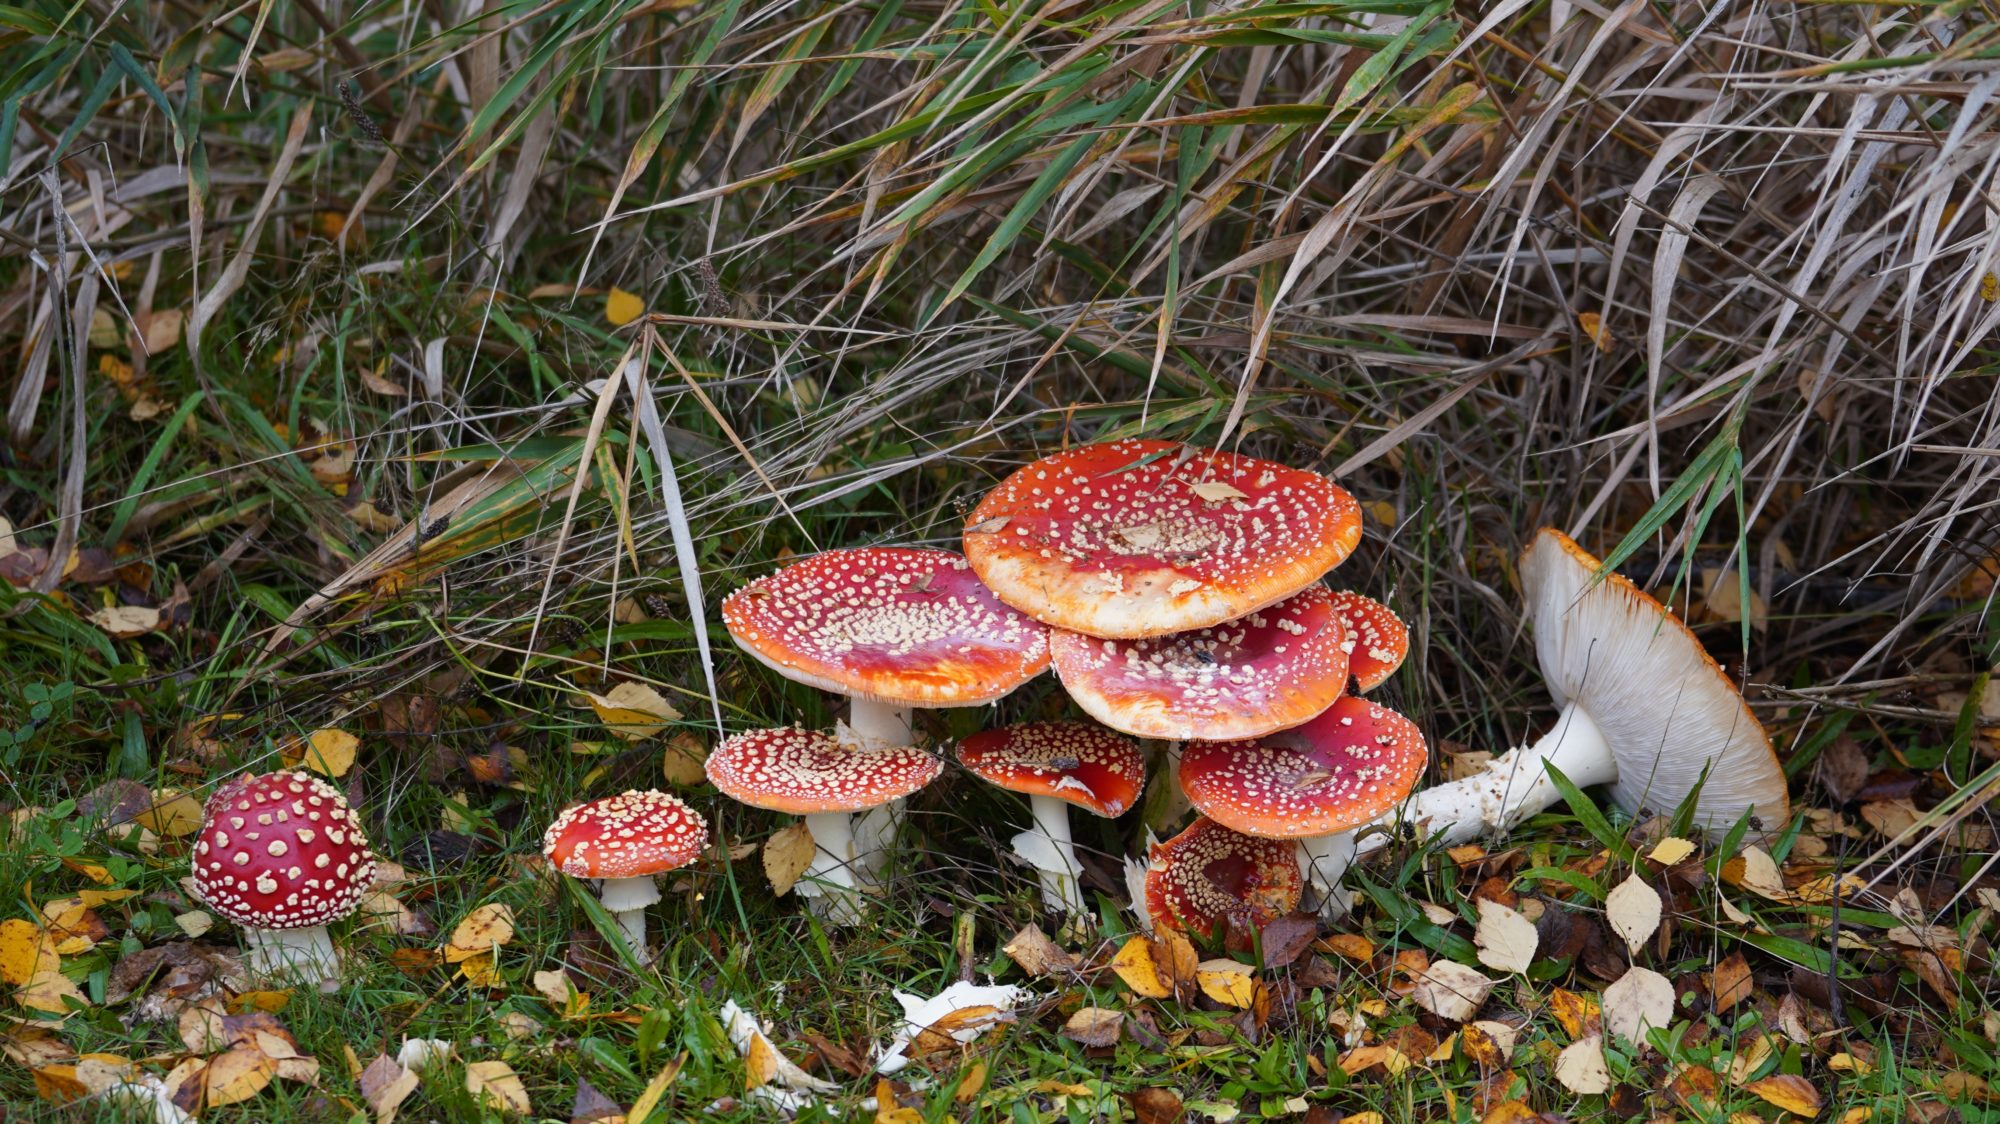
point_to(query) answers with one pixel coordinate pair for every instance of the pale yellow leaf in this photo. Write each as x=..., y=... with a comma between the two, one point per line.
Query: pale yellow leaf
x=1506, y=940
x=787, y=854
x=496, y=1085
x=1580, y=1067
x=1633, y=909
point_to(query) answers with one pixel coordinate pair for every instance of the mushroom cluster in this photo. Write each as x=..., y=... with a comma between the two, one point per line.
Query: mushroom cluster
x=1183, y=590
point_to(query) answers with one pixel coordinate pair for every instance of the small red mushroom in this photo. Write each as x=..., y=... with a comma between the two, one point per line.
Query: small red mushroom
x=1209, y=877
x=282, y=855
x=826, y=780
x=1058, y=764
x=1314, y=783
x=1275, y=667
x=1377, y=640
x=625, y=841
x=1140, y=538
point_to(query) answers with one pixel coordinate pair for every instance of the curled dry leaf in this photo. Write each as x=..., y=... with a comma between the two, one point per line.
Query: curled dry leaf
x=496, y=1085
x=1506, y=940
x=634, y=711
x=1580, y=1067
x=1095, y=1026
x=958, y=1014
x=1452, y=991
x=1755, y=871
x=1641, y=999
x=787, y=854
x=1489, y=1044
x=763, y=1063
x=1788, y=1091
x=1633, y=909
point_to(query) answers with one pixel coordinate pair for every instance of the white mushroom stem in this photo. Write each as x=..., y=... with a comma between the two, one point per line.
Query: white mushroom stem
x=1513, y=786
x=1324, y=858
x=830, y=880
x=1048, y=848
x=305, y=956
x=626, y=900
x=874, y=831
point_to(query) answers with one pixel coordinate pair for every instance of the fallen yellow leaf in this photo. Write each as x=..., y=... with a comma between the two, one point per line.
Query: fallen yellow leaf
x=496, y=1084
x=621, y=307
x=1228, y=982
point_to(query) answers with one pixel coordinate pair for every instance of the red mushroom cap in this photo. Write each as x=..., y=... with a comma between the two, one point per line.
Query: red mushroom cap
x=1210, y=877
x=1342, y=769
x=1274, y=668
x=1087, y=765
x=1377, y=641
x=1141, y=538
x=630, y=835
x=804, y=772
x=281, y=851
x=900, y=625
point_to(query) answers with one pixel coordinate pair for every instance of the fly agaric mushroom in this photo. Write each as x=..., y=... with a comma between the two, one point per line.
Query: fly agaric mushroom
x=1057, y=764
x=891, y=628
x=1276, y=667
x=282, y=855
x=1209, y=877
x=1136, y=538
x=1376, y=640
x=625, y=841
x=1314, y=784
x=817, y=776
x=1646, y=710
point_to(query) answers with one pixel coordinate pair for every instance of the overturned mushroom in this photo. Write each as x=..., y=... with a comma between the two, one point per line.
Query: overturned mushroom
x=1210, y=878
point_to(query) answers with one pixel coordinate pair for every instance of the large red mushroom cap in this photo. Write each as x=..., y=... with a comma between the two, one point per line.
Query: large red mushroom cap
x=1342, y=769
x=899, y=625
x=1209, y=877
x=1087, y=765
x=281, y=851
x=805, y=773
x=630, y=835
x=1141, y=538
x=1276, y=667
x=1377, y=641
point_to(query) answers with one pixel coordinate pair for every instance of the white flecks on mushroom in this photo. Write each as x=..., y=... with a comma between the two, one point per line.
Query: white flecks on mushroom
x=625, y=841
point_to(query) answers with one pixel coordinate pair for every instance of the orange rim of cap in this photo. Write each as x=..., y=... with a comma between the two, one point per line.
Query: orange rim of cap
x=1141, y=538
x=902, y=625
x=1209, y=877
x=1344, y=768
x=1276, y=667
x=630, y=835
x=805, y=773
x=1377, y=640
x=1087, y=765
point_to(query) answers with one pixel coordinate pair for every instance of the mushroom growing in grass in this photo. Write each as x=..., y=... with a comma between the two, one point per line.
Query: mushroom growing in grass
x=1376, y=642
x=282, y=855
x=1314, y=784
x=1645, y=709
x=891, y=628
x=1140, y=538
x=826, y=780
x=1058, y=764
x=1210, y=878
x=625, y=841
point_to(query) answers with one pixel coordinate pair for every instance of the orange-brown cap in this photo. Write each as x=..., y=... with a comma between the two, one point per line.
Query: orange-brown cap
x=900, y=625
x=630, y=835
x=805, y=773
x=1141, y=538
x=1274, y=668
x=1377, y=642
x=1209, y=877
x=1087, y=765
x=1342, y=769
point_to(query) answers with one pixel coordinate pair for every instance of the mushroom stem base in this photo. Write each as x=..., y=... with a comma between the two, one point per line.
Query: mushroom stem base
x=829, y=882
x=626, y=900
x=303, y=956
x=1514, y=785
x=1049, y=848
x=1324, y=858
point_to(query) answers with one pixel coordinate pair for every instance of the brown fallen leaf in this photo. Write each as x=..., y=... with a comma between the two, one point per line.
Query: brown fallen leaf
x=1037, y=954
x=1730, y=983
x=1157, y=1106
x=590, y=1106
x=1285, y=938
x=1095, y=1026
x=237, y=1075
x=385, y=1084
x=787, y=854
